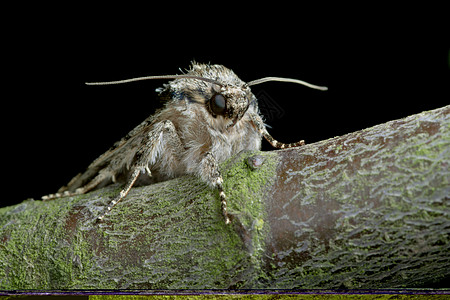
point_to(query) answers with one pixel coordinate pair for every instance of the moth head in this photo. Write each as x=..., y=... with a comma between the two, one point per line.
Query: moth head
x=215, y=90
x=229, y=102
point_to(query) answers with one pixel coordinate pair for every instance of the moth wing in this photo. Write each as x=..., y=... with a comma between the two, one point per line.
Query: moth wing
x=112, y=163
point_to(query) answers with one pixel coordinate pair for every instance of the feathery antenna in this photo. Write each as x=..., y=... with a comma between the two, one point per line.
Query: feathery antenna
x=265, y=79
x=154, y=77
x=253, y=82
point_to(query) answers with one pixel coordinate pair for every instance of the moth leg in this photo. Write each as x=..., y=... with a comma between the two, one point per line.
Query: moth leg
x=258, y=122
x=92, y=184
x=161, y=138
x=209, y=172
x=123, y=193
x=82, y=190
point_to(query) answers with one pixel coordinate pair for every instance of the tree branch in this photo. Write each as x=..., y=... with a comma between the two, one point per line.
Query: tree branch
x=369, y=209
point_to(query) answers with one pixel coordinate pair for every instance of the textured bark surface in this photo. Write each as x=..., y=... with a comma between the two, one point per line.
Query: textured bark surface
x=369, y=209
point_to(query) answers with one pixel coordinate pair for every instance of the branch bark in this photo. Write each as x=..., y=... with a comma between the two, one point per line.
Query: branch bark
x=369, y=209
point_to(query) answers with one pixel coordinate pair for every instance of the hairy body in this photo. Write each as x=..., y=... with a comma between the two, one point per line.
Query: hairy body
x=210, y=114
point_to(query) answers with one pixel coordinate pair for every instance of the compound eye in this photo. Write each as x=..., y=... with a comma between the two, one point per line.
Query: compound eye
x=218, y=104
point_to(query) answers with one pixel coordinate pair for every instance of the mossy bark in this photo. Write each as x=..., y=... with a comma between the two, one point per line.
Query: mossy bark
x=368, y=209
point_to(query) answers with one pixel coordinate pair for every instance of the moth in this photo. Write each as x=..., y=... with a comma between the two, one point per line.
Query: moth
x=209, y=115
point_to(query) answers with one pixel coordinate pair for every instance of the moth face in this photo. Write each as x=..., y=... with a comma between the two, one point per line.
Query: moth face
x=230, y=102
x=226, y=102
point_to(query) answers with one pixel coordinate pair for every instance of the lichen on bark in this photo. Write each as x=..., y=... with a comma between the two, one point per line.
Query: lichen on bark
x=369, y=209
x=165, y=236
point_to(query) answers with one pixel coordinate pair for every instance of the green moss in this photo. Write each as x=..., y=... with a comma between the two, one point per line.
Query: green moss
x=174, y=227
x=36, y=251
x=172, y=235
x=245, y=188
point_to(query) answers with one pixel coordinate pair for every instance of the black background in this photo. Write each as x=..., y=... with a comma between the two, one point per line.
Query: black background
x=379, y=66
